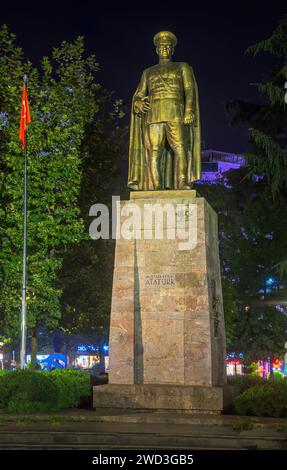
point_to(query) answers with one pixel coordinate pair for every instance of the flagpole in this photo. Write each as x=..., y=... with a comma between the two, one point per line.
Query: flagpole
x=24, y=273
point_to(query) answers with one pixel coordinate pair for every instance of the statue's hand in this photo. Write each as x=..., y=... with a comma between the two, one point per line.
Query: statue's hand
x=142, y=106
x=189, y=118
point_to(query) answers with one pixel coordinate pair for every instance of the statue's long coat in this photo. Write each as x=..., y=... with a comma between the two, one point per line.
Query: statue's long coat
x=139, y=173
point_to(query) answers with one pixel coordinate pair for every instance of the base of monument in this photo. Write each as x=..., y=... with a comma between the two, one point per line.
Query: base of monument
x=186, y=398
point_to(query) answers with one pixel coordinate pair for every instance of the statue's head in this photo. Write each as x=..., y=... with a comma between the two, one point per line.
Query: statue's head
x=165, y=42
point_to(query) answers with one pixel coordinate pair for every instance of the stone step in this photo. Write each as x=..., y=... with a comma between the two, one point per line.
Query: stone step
x=134, y=436
x=106, y=415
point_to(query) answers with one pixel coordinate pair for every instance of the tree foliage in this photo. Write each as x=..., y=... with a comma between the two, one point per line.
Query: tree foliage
x=268, y=121
x=87, y=272
x=62, y=94
x=252, y=238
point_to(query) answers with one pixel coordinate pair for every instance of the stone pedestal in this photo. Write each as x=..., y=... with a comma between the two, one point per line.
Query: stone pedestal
x=187, y=398
x=167, y=324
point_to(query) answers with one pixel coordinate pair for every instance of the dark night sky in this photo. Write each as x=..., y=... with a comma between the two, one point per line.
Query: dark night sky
x=212, y=38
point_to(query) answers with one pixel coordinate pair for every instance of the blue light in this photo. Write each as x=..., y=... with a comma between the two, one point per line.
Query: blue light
x=270, y=281
x=105, y=348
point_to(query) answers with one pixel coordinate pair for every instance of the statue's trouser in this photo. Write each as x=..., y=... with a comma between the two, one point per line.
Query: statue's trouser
x=156, y=135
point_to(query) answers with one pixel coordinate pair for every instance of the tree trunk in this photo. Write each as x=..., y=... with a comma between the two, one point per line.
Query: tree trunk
x=34, y=345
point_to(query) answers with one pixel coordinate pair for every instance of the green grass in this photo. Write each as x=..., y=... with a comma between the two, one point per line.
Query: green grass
x=243, y=425
x=282, y=427
x=23, y=421
x=57, y=420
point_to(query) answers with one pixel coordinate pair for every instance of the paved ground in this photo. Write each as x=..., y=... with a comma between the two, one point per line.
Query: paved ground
x=110, y=429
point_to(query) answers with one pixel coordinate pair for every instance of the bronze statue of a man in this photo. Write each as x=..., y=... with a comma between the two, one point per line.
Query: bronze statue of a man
x=164, y=148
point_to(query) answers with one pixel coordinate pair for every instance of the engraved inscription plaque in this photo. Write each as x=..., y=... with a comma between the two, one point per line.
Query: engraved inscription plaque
x=159, y=280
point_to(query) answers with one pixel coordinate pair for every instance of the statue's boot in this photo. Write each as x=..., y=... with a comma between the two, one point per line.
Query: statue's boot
x=135, y=187
x=183, y=185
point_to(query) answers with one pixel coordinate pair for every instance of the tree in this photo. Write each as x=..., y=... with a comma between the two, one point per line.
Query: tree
x=62, y=101
x=87, y=272
x=268, y=122
x=258, y=327
x=267, y=153
x=252, y=238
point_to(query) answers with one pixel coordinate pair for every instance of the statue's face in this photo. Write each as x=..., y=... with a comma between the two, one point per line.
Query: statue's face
x=165, y=50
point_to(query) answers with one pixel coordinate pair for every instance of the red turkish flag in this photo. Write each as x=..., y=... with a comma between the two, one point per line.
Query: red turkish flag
x=25, y=116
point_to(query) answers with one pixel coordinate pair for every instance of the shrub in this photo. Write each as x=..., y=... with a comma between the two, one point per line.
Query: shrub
x=269, y=399
x=72, y=385
x=24, y=391
x=244, y=382
x=27, y=391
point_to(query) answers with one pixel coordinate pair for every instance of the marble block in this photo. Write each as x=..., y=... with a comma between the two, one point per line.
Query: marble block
x=167, y=322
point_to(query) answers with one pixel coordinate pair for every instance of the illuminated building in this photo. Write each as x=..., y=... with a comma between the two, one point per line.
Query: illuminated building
x=215, y=163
